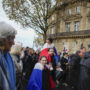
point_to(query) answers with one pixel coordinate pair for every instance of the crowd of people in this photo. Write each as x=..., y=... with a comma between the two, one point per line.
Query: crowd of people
x=23, y=68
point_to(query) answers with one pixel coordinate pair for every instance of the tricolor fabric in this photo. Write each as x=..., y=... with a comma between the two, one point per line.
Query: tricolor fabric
x=40, y=79
x=44, y=52
x=65, y=49
x=56, y=56
x=35, y=82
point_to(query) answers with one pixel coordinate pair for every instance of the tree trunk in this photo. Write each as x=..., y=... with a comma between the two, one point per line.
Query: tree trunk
x=44, y=37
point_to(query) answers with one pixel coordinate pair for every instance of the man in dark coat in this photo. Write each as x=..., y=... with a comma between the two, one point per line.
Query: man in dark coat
x=75, y=69
x=84, y=78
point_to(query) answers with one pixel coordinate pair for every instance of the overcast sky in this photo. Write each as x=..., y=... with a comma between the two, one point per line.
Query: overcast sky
x=23, y=36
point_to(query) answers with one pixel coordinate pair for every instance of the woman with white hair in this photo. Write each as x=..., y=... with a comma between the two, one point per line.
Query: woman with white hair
x=7, y=70
x=15, y=53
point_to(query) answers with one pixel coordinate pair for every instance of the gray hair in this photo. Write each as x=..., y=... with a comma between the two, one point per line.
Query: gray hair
x=6, y=30
x=15, y=49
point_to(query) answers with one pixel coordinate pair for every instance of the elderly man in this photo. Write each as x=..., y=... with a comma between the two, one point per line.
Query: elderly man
x=7, y=70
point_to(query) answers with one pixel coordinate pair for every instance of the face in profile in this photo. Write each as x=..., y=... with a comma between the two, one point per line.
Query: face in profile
x=43, y=61
x=10, y=42
x=81, y=54
x=4, y=45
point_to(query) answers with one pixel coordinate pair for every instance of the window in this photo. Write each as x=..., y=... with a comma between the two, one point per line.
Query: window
x=53, y=17
x=69, y=12
x=89, y=23
x=67, y=27
x=77, y=10
x=76, y=26
x=52, y=30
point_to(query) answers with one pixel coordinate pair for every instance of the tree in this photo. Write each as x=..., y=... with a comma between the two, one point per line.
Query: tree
x=30, y=13
x=38, y=41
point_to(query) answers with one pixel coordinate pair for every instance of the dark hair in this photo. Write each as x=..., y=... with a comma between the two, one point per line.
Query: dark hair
x=82, y=48
x=43, y=57
x=50, y=48
x=77, y=52
x=27, y=47
x=50, y=39
x=88, y=45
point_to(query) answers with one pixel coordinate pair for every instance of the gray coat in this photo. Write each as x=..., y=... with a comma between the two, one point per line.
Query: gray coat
x=84, y=79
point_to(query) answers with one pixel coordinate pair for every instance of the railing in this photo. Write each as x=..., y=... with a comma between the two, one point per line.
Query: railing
x=70, y=34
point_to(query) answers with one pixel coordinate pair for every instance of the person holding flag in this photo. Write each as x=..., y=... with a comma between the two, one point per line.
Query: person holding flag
x=49, y=44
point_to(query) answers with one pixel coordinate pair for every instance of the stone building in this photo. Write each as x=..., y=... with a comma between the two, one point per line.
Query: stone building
x=70, y=24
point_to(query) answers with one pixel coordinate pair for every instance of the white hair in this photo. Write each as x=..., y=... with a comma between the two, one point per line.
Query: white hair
x=6, y=30
x=16, y=49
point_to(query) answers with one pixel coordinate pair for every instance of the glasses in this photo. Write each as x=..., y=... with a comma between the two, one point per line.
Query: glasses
x=43, y=60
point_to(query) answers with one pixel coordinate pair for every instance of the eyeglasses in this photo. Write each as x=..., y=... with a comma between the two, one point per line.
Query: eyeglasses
x=43, y=60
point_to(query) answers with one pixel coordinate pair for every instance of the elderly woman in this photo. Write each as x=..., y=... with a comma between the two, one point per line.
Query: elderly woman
x=7, y=70
x=15, y=53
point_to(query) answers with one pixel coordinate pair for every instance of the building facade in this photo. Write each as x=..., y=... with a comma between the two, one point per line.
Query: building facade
x=70, y=25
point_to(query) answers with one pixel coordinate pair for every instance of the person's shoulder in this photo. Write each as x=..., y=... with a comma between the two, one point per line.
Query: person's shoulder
x=53, y=44
x=39, y=66
x=45, y=46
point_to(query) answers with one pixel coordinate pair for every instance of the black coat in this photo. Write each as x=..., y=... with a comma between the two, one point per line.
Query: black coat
x=54, y=68
x=84, y=78
x=46, y=80
x=74, y=69
x=63, y=63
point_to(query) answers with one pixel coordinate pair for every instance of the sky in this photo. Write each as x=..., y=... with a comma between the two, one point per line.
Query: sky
x=24, y=36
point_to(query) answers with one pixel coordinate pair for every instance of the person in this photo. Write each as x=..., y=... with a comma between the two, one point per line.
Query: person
x=64, y=64
x=49, y=44
x=75, y=68
x=84, y=77
x=83, y=50
x=7, y=69
x=39, y=79
x=51, y=53
x=27, y=67
x=15, y=53
x=37, y=55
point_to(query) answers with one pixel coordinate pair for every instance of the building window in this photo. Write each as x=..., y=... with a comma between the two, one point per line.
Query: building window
x=89, y=23
x=76, y=26
x=69, y=12
x=67, y=27
x=52, y=30
x=77, y=10
x=53, y=17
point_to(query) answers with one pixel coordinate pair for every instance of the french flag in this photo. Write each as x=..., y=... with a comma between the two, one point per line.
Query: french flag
x=35, y=82
x=40, y=80
x=44, y=52
x=65, y=49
